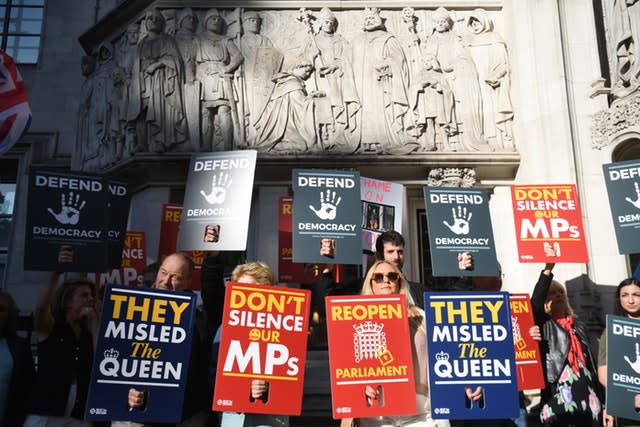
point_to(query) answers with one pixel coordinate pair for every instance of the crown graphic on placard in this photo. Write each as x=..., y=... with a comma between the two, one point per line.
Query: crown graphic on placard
x=442, y=355
x=111, y=353
x=368, y=328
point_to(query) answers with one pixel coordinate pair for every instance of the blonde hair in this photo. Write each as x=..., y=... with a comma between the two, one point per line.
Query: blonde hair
x=258, y=270
x=557, y=285
x=415, y=313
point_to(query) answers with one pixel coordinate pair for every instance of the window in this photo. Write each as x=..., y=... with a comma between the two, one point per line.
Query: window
x=21, y=27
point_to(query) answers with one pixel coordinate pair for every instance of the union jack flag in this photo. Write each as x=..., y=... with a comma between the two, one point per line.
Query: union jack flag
x=15, y=114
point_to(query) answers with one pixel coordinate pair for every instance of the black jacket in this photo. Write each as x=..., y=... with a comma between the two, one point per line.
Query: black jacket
x=554, y=347
x=20, y=383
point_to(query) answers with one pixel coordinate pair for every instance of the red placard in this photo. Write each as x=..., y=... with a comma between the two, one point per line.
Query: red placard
x=264, y=336
x=528, y=362
x=169, y=227
x=369, y=344
x=134, y=260
x=288, y=271
x=548, y=215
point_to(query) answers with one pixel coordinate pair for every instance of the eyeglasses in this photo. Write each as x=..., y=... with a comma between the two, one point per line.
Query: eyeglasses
x=379, y=277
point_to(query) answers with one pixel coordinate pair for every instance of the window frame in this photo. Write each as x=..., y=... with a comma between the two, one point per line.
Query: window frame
x=6, y=34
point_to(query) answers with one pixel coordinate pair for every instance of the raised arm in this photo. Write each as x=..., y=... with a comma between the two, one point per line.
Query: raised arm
x=540, y=291
x=43, y=323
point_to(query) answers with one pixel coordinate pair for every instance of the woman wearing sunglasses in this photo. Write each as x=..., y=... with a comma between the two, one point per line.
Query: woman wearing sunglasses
x=384, y=278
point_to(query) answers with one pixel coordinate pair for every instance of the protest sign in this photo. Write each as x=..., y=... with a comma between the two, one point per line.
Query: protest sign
x=169, y=225
x=119, y=200
x=326, y=217
x=623, y=187
x=288, y=271
x=528, y=362
x=68, y=227
x=548, y=216
x=134, y=260
x=471, y=344
x=382, y=204
x=369, y=344
x=459, y=221
x=264, y=337
x=144, y=343
x=217, y=201
x=623, y=366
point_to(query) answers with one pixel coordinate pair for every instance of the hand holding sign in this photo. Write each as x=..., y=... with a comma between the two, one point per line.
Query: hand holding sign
x=69, y=209
x=460, y=221
x=328, y=207
x=219, y=185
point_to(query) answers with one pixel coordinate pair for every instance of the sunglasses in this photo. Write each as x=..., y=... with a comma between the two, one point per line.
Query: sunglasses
x=379, y=277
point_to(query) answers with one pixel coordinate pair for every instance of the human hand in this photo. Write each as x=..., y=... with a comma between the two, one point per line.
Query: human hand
x=65, y=254
x=328, y=205
x=474, y=395
x=636, y=364
x=635, y=202
x=328, y=247
x=135, y=399
x=607, y=420
x=465, y=261
x=636, y=402
x=69, y=209
x=259, y=388
x=211, y=233
x=370, y=394
x=460, y=221
x=219, y=185
x=534, y=332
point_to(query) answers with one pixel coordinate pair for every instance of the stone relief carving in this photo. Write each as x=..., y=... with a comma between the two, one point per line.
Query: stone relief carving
x=348, y=81
x=623, y=27
x=621, y=116
x=451, y=177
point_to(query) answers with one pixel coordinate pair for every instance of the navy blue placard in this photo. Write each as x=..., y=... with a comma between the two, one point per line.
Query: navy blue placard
x=459, y=221
x=623, y=366
x=470, y=343
x=144, y=343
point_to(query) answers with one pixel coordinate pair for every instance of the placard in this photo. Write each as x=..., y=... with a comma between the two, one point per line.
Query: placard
x=144, y=343
x=326, y=217
x=134, y=260
x=382, y=209
x=217, y=201
x=264, y=337
x=471, y=344
x=369, y=344
x=623, y=366
x=623, y=187
x=288, y=271
x=527, y=350
x=459, y=221
x=68, y=227
x=548, y=216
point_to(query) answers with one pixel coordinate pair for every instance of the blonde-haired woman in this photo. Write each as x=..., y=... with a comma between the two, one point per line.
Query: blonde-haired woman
x=384, y=278
x=570, y=396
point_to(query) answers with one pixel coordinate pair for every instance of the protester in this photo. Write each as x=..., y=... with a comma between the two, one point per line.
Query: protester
x=570, y=396
x=252, y=273
x=627, y=304
x=65, y=329
x=16, y=366
x=385, y=278
x=175, y=274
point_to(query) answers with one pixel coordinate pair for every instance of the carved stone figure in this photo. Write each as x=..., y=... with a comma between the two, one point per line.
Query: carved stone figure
x=460, y=71
x=156, y=89
x=432, y=106
x=125, y=57
x=187, y=22
x=624, y=28
x=213, y=60
x=102, y=101
x=84, y=128
x=287, y=123
x=336, y=113
x=489, y=52
x=254, y=77
x=382, y=76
